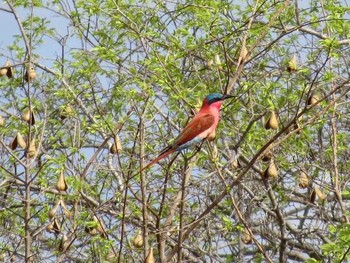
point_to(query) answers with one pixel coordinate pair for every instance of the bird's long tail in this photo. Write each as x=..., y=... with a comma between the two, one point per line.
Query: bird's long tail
x=160, y=157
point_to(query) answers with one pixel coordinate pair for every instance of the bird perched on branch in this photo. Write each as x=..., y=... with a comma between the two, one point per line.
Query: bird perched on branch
x=201, y=127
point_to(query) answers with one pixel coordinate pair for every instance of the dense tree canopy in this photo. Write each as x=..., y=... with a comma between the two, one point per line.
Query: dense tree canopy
x=92, y=90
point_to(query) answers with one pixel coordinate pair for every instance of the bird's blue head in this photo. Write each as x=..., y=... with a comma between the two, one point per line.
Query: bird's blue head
x=214, y=97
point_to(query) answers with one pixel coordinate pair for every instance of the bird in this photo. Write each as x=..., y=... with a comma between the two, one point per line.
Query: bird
x=200, y=128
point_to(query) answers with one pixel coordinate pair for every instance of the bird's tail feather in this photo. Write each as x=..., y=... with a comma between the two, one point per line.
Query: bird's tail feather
x=160, y=157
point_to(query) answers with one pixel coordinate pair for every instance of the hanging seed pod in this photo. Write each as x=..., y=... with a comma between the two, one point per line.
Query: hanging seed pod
x=243, y=54
x=2, y=257
x=292, y=64
x=138, y=240
x=210, y=62
x=31, y=151
x=66, y=111
x=321, y=196
x=49, y=227
x=271, y=171
x=217, y=60
x=246, y=237
x=54, y=227
x=303, y=180
x=91, y=230
x=313, y=196
x=30, y=73
x=3, y=71
x=53, y=210
x=312, y=100
x=32, y=119
x=267, y=156
x=234, y=164
x=7, y=70
x=272, y=122
x=21, y=142
x=64, y=243
x=61, y=183
x=66, y=212
x=150, y=257
x=116, y=146
x=13, y=144
x=113, y=149
x=28, y=116
x=2, y=121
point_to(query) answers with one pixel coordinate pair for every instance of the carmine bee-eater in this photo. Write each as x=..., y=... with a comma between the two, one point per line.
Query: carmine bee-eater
x=201, y=127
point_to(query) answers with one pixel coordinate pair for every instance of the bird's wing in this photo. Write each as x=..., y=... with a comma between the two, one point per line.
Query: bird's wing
x=195, y=127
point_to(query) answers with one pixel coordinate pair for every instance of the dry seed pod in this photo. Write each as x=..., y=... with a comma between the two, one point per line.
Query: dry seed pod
x=303, y=180
x=49, y=227
x=292, y=64
x=30, y=73
x=61, y=183
x=210, y=62
x=321, y=196
x=3, y=71
x=235, y=164
x=56, y=227
x=66, y=212
x=2, y=121
x=312, y=100
x=138, y=240
x=21, y=142
x=243, y=54
x=9, y=72
x=14, y=143
x=32, y=120
x=267, y=156
x=150, y=257
x=31, y=151
x=28, y=116
x=271, y=171
x=246, y=237
x=118, y=143
x=313, y=196
x=272, y=122
x=90, y=229
x=217, y=60
x=2, y=257
x=113, y=149
x=64, y=243
x=53, y=227
x=53, y=210
x=116, y=146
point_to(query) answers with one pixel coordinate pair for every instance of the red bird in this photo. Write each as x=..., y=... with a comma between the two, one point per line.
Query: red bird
x=201, y=127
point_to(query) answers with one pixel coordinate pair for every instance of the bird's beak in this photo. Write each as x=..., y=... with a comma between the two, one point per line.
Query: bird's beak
x=226, y=96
